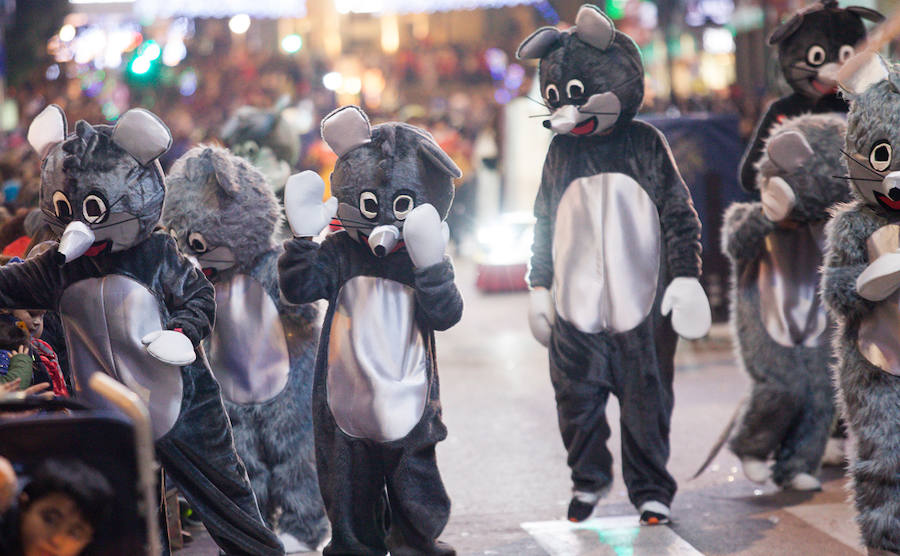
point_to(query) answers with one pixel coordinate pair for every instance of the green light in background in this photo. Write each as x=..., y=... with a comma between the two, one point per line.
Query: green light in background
x=615, y=9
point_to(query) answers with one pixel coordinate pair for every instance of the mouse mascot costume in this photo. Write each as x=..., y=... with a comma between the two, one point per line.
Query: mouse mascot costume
x=812, y=45
x=262, y=350
x=616, y=249
x=136, y=309
x=861, y=288
x=779, y=323
x=389, y=286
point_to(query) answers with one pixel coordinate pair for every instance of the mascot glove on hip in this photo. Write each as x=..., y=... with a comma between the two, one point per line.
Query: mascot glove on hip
x=425, y=236
x=170, y=347
x=541, y=315
x=306, y=213
x=881, y=278
x=687, y=302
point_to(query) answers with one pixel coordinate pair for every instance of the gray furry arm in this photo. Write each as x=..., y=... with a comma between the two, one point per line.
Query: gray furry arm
x=438, y=301
x=744, y=230
x=308, y=271
x=678, y=219
x=845, y=259
x=189, y=297
x=540, y=273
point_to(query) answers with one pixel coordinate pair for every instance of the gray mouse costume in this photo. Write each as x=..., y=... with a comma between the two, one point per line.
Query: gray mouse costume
x=615, y=226
x=136, y=309
x=376, y=405
x=262, y=350
x=860, y=288
x=779, y=324
x=812, y=45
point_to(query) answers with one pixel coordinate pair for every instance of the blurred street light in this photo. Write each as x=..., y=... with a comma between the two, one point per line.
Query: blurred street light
x=239, y=24
x=291, y=43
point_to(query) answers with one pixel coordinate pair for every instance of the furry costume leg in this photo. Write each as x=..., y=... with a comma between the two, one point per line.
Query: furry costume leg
x=580, y=373
x=198, y=454
x=643, y=373
x=868, y=395
x=802, y=448
x=248, y=444
x=764, y=420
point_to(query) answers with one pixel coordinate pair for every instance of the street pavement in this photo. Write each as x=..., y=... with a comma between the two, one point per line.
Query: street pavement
x=504, y=465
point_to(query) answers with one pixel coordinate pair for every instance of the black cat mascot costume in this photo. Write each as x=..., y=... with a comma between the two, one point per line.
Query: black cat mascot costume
x=376, y=409
x=813, y=44
x=136, y=309
x=616, y=248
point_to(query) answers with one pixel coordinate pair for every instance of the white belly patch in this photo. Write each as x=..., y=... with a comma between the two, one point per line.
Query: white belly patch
x=606, y=253
x=377, y=377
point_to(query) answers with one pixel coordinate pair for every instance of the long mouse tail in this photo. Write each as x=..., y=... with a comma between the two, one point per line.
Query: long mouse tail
x=723, y=437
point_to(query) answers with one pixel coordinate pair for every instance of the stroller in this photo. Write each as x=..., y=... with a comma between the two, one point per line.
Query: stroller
x=119, y=446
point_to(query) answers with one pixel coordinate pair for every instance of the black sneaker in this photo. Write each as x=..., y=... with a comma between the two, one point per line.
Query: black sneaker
x=579, y=511
x=653, y=518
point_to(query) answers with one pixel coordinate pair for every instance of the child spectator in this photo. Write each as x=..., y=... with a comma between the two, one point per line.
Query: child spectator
x=59, y=512
x=15, y=360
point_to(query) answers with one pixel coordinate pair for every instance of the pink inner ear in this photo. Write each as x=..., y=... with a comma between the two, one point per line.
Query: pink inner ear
x=789, y=150
x=47, y=129
x=594, y=27
x=345, y=129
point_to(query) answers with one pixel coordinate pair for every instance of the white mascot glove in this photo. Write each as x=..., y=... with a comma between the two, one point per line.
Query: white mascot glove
x=687, y=302
x=425, y=236
x=778, y=199
x=881, y=278
x=170, y=346
x=541, y=315
x=306, y=213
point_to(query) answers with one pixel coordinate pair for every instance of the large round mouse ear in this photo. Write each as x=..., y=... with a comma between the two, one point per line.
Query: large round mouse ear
x=789, y=150
x=861, y=72
x=436, y=155
x=346, y=128
x=47, y=129
x=866, y=13
x=594, y=27
x=142, y=134
x=538, y=44
x=786, y=29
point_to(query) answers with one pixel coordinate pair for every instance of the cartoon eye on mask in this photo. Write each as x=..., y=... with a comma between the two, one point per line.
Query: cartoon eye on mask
x=575, y=89
x=368, y=205
x=403, y=204
x=815, y=55
x=551, y=93
x=880, y=156
x=197, y=242
x=62, y=206
x=94, y=208
x=845, y=53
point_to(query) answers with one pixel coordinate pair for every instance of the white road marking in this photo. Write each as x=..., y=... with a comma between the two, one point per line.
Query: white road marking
x=608, y=536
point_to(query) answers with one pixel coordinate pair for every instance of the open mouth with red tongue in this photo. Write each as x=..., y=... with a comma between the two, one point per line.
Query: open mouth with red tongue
x=209, y=271
x=886, y=201
x=97, y=248
x=586, y=127
x=823, y=88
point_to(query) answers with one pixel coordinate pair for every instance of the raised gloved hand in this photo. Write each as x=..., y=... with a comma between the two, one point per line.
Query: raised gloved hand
x=425, y=236
x=778, y=199
x=306, y=213
x=541, y=315
x=170, y=347
x=687, y=302
x=881, y=278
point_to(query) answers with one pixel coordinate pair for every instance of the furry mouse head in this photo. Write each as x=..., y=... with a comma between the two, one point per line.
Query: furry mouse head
x=382, y=173
x=591, y=75
x=101, y=186
x=815, y=41
x=220, y=210
x=800, y=174
x=264, y=127
x=873, y=130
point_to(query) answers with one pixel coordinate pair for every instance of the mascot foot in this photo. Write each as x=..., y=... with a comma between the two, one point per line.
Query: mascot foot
x=803, y=481
x=582, y=505
x=834, y=453
x=755, y=469
x=292, y=545
x=879, y=552
x=654, y=513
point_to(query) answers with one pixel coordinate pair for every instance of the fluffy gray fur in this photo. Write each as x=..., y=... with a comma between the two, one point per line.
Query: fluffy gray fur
x=790, y=410
x=223, y=197
x=869, y=397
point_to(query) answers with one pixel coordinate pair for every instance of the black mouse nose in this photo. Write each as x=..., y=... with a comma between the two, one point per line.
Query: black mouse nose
x=894, y=194
x=547, y=124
